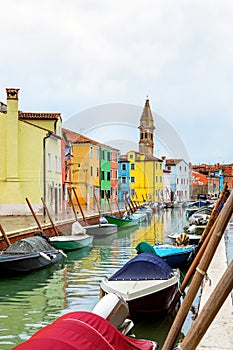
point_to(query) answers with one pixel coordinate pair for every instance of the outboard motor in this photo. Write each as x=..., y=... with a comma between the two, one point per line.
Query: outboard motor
x=115, y=309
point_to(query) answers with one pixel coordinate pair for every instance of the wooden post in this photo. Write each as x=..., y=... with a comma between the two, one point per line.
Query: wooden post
x=118, y=208
x=108, y=202
x=5, y=236
x=34, y=214
x=72, y=203
x=76, y=197
x=214, y=213
x=209, y=311
x=200, y=273
x=207, y=234
x=50, y=218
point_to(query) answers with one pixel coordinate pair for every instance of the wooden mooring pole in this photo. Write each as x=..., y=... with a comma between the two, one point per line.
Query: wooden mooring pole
x=76, y=197
x=5, y=236
x=50, y=218
x=72, y=203
x=209, y=311
x=201, y=272
x=33, y=214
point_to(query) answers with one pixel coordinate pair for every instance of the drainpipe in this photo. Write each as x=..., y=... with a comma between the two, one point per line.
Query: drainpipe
x=44, y=169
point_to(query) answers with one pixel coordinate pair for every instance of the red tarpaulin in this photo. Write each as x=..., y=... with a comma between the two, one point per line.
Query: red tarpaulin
x=82, y=331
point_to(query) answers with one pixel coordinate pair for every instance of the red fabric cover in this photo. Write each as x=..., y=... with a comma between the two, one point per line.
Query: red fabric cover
x=82, y=331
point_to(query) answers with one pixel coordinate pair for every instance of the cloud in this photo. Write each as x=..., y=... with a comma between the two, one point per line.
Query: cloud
x=72, y=55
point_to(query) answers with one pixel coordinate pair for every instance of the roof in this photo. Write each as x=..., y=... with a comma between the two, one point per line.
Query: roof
x=173, y=161
x=75, y=137
x=38, y=115
x=146, y=117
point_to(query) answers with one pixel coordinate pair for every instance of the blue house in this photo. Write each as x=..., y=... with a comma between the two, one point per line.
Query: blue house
x=123, y=178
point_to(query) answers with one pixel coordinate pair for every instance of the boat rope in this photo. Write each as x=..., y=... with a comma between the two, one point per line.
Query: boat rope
x=204, y=274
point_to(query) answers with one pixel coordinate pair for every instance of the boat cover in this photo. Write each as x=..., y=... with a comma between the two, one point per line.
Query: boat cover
x=83, y=331
x=145, y=266
x=30, y=244
x=163, y=250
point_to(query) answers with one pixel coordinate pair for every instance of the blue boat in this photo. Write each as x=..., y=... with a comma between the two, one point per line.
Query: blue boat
x=173, y=255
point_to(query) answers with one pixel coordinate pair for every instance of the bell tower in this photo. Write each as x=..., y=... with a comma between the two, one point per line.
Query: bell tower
x=146, y=142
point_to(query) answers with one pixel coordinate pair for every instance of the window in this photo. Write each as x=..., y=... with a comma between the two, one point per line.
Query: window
x=177, y=181
x=102, y=175
x=123, y=167
x=156, y=179
x=49, y=162
x=56, y=163
x=133, y=192
x=109, y=156
x=145, y=135
x=91, y=191
x=103, y=155
x=97, y=172
x=160, y=166
x=108, y=175
x=131, y=156
x=91, y=170
x=161, y=179
x=102, y=194
x=116, y=174
x=123, y=179
x=156, y=166
x=132, y=179
x=132, y=166
x=91, y=152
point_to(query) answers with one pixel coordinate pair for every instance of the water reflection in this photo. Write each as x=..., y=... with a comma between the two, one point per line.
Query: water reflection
x=29, y=302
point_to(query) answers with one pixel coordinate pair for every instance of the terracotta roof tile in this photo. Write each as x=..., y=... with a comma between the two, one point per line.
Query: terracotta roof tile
x=173, y=161
x=35, y=116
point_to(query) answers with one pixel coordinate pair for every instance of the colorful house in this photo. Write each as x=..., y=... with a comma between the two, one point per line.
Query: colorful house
x=123, y=178
x=180, y=179
x=146, y=176
x=30, y=158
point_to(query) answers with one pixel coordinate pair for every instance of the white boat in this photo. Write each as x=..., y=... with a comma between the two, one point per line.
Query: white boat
x=76, y=240
x=146, y=282
x=101, y=230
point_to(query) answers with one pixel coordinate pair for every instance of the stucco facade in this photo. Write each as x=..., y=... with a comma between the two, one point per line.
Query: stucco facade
x=30, y=158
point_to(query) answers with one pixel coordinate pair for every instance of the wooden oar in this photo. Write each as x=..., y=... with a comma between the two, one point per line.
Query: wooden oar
x=50, y=218
x=201, y=272
x=72, y=203
x=209, y=311
x=34, y=214
x=76, y=197
x=5, y=236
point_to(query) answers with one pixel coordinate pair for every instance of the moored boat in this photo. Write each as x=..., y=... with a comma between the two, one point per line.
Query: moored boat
x=104, y=328
x=146, y=282
x=27, y=255
x=122, y=222
x=175, y=256
x=101, y=230
x=76, y=240
x=192, y=238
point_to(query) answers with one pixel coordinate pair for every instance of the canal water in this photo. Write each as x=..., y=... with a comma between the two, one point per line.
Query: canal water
x=30, y=302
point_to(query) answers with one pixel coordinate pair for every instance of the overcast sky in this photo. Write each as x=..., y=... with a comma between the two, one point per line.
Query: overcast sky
x=68, y=56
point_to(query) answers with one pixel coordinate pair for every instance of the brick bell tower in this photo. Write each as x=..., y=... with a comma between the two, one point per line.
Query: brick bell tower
x=146, y=142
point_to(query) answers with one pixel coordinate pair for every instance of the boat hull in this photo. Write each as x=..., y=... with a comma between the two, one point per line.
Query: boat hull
x=121, y=222
x=155, y=299
x=69, y=243
x=101, y=230
x=24, y=263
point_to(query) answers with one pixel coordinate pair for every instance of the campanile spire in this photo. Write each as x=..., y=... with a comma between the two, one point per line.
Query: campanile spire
x=146, y=142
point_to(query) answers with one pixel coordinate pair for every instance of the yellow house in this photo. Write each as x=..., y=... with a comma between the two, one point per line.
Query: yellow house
x=146, y=176
x=30, y=158
x=85, y=168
